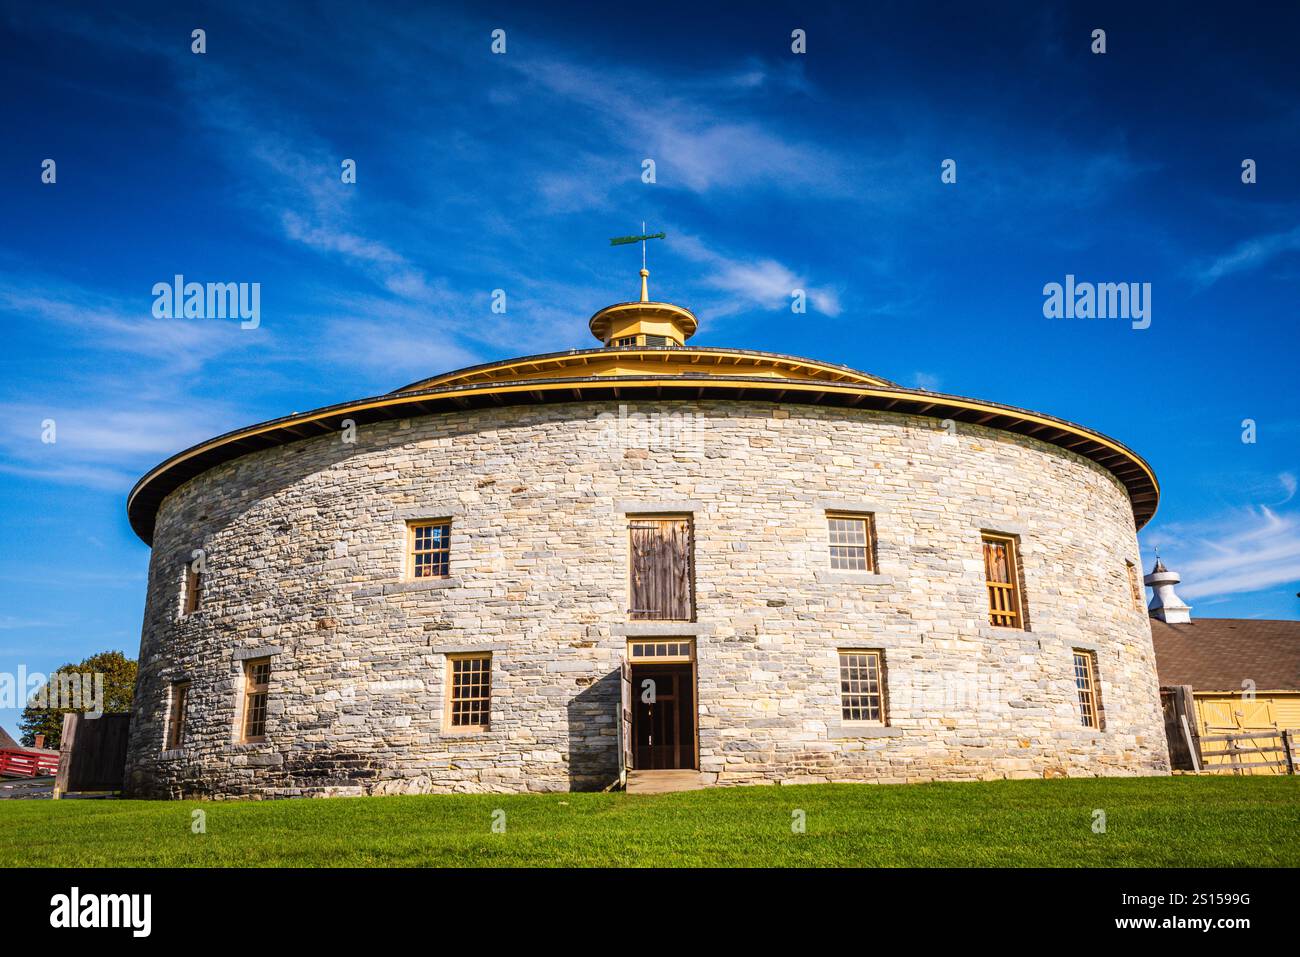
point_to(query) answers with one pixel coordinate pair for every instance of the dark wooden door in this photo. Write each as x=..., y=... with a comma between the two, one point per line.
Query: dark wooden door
x=663, y=721
x=660, y=573
x=92, y=753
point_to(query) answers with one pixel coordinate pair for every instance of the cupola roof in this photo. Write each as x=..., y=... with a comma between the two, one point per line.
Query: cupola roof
x=644, y=320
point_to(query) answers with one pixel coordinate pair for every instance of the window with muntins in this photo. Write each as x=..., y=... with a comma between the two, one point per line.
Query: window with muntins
x=257, y=683
x=667, y=650
x=1085, y=681
x=431, y=549
x=470, y=701
x=862, y=687
x=850, y=542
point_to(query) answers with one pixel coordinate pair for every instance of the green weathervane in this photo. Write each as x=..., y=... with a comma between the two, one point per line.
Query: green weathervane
x=628, y=240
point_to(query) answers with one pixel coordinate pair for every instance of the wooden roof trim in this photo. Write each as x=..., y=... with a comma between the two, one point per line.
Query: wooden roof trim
x=1136, y=475
x=494, y=371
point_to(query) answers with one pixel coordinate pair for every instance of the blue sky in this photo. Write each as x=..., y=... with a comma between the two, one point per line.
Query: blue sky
x=774, y=171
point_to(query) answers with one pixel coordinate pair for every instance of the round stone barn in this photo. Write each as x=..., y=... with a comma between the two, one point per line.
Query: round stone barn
x=643, y=563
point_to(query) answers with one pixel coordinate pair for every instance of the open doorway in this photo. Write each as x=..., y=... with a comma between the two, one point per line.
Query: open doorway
x=663, y=706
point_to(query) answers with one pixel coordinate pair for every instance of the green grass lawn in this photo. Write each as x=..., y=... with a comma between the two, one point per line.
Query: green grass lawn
x=1181, y=821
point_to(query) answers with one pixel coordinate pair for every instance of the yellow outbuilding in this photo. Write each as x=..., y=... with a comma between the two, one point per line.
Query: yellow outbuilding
x=1230, y=677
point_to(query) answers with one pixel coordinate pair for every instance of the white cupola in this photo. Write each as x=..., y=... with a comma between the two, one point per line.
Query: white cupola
x=1165, y=603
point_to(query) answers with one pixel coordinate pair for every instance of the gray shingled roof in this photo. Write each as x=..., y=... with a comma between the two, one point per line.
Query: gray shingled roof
x=1218, y=654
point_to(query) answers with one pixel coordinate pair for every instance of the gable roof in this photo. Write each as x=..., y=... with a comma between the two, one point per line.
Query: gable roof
x=6, y=741
x=1218, y=654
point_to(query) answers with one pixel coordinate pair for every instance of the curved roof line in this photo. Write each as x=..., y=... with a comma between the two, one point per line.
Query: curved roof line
x=560, y=359
x=1124, y=464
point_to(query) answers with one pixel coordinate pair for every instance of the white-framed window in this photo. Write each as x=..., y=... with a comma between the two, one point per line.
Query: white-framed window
x=661, y=650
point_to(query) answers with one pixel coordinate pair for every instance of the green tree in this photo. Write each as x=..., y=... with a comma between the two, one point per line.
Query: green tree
x=40, y=717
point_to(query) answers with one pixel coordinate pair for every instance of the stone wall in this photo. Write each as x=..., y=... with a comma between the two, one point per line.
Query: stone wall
x=305, y=549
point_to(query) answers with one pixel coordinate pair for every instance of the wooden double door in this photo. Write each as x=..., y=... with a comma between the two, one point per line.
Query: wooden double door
x=663, y=716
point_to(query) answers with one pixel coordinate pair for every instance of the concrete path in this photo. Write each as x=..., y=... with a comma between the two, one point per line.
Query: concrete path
x=26, y=788
x=664, y=782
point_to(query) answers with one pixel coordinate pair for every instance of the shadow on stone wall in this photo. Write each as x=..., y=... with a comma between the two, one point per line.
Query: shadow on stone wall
x=593, y=735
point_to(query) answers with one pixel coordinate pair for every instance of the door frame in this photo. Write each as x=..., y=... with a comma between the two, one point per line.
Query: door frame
x=682, y=650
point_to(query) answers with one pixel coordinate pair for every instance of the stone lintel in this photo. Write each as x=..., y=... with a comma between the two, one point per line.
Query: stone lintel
x=860, y=506
x=657, y=506
x=261, y=651
x=467, y=649
x=431, y=511
x=999, y=526
x=660, y=629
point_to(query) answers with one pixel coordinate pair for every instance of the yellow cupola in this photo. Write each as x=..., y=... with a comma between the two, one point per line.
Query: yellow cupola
x=644, y=323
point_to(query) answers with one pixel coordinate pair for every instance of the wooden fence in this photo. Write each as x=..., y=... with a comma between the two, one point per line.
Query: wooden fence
x=1180, y=728
x=1241, y=752
x=92, y=753
x=1223, y=750
x=15, y=763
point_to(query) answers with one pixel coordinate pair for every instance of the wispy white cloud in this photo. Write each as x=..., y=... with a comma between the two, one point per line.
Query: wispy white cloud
x=332, y=240
x=693, y=147
x=1245, y=550
x=296, y=185
x=10, y=622
x=136, y=394
x=391, y=346
x=1251, y=254
x=106, y=433
x=112, y=323
x=97, y=445
x=44, y=576
x=764, y=283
